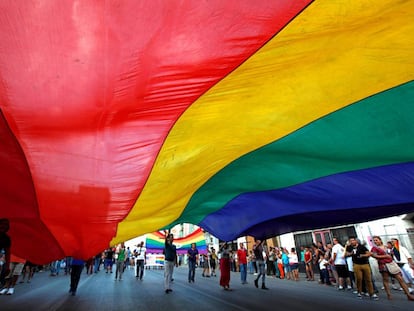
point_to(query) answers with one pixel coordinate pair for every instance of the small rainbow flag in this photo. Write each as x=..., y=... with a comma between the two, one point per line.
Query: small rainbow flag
x=396, y=249
x=155, y=242
x=159, y=260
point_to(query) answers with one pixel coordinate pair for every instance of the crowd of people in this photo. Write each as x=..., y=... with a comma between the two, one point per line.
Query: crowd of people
x=348, y=266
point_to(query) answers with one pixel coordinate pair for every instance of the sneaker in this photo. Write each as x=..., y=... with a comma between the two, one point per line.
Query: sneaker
x=374, y=297
x=4, y=291
x=359, y=295
x=394, y=286
x=10, y=291
x=349, y=287
x=355, y=292
x=340, y=287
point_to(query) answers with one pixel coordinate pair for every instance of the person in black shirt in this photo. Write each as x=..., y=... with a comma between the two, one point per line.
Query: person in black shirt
x=362, y=269
x=109, y=259
x=170, y=252
x=192, y=260
x=258, y=253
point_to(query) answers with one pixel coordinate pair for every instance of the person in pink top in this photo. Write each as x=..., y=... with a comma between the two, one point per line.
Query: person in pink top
x=380, y=252
x=242, y=258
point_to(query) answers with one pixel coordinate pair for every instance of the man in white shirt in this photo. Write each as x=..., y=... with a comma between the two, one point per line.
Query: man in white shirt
x=338, y=259
x=140, y=253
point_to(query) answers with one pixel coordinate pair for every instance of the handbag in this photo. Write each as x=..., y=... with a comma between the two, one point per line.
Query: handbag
x=393, y=268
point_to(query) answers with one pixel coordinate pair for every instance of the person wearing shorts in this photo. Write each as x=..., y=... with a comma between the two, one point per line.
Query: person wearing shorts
x=339, y=261
x=16, y=268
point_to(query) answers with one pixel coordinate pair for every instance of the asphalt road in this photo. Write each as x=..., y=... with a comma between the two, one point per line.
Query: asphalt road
x=101, y=292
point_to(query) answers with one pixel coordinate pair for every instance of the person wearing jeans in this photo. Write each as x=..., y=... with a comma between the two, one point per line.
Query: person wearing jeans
x=242, y=257
x=192, y=260
x=258, y=253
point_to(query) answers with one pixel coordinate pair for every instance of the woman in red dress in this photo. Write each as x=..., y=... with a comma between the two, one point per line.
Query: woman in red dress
x=225, y=266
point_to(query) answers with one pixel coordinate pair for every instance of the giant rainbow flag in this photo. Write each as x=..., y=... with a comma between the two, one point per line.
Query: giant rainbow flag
x=120, y=118
x=155, y=242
